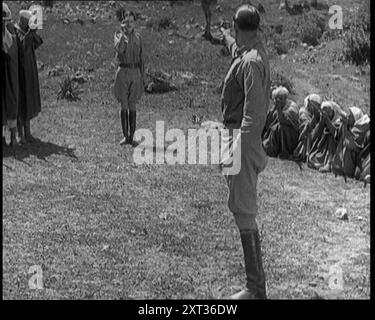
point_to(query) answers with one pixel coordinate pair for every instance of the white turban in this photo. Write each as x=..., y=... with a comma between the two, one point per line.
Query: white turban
x=7, y=37
x=26, y=14
x=313, y=98
x=280, y=91
x=356, y=112
x=8, y=14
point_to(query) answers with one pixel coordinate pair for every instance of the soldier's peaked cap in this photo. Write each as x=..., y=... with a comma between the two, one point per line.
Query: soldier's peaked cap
x=247, y=18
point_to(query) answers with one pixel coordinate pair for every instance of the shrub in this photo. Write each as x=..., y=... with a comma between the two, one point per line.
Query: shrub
x=357, y=46
x=165, y=23
x=359, y=18
x=310, y=27
x=159, y=24
x=48, y=3
x=356, y=37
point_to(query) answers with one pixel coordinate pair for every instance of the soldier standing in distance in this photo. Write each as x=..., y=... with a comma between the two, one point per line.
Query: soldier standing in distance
x=130, y=76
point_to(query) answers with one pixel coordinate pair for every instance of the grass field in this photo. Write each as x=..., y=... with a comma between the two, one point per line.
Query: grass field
x=102, y=227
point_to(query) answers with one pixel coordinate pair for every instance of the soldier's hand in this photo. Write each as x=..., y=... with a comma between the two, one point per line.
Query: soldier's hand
x=117, y=36
x=224, y=33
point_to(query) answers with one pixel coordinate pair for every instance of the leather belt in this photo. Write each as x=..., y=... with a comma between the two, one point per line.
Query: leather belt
x=130, y=65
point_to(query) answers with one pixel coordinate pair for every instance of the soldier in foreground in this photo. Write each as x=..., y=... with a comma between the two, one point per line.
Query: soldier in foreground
x=245, y=103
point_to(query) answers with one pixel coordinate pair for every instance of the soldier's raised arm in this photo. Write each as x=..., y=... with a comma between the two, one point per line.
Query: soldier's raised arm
x=229, y=41
x=119, y=42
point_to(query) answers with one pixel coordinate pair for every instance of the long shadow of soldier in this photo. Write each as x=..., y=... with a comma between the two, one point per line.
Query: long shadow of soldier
x=40, y=149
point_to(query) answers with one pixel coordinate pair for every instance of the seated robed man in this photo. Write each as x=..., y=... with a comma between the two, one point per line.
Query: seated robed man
x=280, y=133
x=324, y=137
x=353, y=135
x=309, y=116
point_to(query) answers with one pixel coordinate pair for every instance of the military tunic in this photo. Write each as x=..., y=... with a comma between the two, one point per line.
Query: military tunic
x=245, y=102
x=128, y=88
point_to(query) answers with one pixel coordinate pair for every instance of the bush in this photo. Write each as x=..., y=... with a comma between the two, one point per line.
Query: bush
x=310, y=28
x=359, y=18
x=281, y=46
x=357, y=36
x=159, y=24
x=357, y=46
x=48, y=3
x=165, y=23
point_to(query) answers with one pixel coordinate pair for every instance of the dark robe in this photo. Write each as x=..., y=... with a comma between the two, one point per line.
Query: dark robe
x=324, y=144
x=3, y=57
x=306, y=124
x=30, y=102
x=344, y=162
x=280, y=133
x=362, y=171
x=10, y=80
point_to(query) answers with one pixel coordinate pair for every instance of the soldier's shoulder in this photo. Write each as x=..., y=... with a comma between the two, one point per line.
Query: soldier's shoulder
x=254, y=56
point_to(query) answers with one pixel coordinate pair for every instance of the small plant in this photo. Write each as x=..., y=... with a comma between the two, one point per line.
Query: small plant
x=68, y=90
x=165, y=23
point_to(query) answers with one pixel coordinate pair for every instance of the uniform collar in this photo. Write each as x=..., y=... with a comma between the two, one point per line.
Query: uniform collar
x=131, y=33
x=254, y=43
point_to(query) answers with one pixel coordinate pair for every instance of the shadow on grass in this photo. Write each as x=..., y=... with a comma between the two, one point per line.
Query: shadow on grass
x=38, y=148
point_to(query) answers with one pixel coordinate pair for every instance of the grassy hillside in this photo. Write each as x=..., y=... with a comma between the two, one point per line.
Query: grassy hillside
x=102, y=227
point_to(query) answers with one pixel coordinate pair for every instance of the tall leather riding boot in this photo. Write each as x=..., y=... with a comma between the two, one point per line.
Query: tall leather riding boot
x=13, y=137
x=28, y=136
x=124, y=116
x=133, y=123
x=256, y=282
